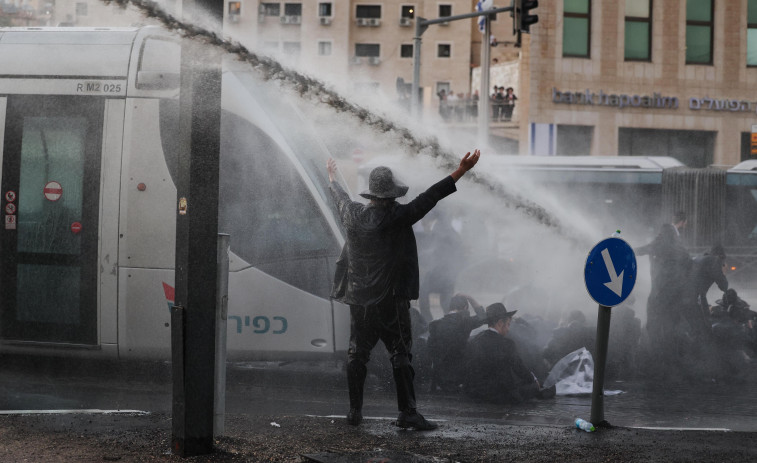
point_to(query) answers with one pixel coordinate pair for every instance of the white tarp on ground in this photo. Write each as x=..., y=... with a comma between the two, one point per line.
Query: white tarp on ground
x=574, y=374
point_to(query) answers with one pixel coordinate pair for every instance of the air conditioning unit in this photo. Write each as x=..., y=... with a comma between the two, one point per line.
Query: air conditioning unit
x=356, y=60
x=325, y=20
x=406, y=22
x=295, y=19
x=374, y=60
x=445, y=23
x=362, y=21
x=284, y=19
x=374, y=22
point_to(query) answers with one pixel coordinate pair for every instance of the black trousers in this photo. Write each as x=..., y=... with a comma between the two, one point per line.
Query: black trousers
x=388, y=321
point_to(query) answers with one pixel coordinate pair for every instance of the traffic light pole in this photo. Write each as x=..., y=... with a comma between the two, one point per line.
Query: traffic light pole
x=483, y=97
x=421, y=24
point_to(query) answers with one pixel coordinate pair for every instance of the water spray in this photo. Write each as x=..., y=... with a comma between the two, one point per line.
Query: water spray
x=271, y=70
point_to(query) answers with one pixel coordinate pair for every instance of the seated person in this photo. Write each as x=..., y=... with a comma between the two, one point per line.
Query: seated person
x=574, y=334
x=495, y=371
x=447, y=339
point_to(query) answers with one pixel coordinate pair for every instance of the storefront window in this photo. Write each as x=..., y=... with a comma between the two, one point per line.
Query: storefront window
x=638, y=34
x=576, y=36
x=751, y=33
x=574, y=140
x=699, y=27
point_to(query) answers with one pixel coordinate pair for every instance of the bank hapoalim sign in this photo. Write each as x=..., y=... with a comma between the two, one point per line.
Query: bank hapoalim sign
x=654, y=101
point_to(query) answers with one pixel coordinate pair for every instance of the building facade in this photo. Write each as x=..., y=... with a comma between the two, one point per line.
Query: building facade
x=641, y=77
x=368, y=43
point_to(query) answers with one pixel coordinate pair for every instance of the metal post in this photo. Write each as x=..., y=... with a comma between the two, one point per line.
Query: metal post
x=196, y=234
x=222, y=305
x=597, y=391
x=483, y=98
x=414, y=103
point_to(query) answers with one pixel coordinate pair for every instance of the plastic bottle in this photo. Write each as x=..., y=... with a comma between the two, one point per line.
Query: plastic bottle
x=584, y=425
x=616, y=234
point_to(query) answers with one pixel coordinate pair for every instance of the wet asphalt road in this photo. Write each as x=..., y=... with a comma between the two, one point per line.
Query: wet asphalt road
x=319, y=389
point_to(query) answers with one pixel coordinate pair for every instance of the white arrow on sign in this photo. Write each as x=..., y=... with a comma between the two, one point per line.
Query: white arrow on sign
x=616, y=281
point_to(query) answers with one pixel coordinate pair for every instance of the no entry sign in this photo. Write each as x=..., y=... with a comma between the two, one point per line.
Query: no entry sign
x=53, y=191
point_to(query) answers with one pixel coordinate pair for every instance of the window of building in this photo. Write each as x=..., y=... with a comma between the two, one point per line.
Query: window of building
x=367, y=49
x=408, y=11
x=235, y=8
x=638, y=40
x=81, y=9
x=442, y=86
x=293, y=9
x=751, y=33
x=443, y=50
x=324, y=9
x=324, y=48
x=366, y=86
x=291, y=48
x=406, y=50
x=699, y=26
x=574, y=140
x=576, y=33
x=270, y=9
x=445, y=10
x=271, y=46
x=368, y=11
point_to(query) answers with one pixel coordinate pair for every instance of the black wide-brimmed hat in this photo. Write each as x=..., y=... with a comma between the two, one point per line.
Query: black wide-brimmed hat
x=383, y=185
x=497, y=311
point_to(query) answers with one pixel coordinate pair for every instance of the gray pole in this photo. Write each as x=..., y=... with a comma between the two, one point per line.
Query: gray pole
x=483, y=97
x=222, y=306
x=414, y=103
x=597, y=391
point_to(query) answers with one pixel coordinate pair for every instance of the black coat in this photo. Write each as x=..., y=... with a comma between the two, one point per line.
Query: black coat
x=495, y=369
x=380, y=257
x=707, y=270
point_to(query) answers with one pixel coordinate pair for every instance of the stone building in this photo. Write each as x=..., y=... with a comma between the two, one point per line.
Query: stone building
x=641, y=77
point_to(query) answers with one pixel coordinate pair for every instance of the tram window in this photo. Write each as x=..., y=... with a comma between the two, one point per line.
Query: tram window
x=51, y=148
x=274, y=221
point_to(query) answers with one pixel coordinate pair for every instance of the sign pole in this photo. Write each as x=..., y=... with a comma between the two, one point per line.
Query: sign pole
x=610, y=275
x=597, y=390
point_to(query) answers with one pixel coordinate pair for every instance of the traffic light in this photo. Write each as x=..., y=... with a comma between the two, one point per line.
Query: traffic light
x=525, y=18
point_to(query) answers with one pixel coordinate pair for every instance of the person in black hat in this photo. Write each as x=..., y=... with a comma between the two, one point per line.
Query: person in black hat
x=377, y=276
x=496, y=372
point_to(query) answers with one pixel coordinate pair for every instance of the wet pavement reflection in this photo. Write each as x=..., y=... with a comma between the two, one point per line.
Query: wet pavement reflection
x=319, y=389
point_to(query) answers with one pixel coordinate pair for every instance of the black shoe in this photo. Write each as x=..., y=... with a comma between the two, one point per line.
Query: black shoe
x=547, y=393
x=354, y=417
x=415, y=420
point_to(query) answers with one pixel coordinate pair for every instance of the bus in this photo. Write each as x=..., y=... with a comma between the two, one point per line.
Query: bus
x=88, y=120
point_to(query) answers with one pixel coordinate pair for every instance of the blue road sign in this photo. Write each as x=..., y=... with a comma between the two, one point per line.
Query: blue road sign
x=610, y=272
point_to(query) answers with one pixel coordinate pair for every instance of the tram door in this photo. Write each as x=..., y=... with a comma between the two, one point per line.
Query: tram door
x=50, y=190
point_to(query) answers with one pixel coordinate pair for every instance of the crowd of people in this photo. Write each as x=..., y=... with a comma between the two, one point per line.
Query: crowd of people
x=463, y=107
x=487, y=353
